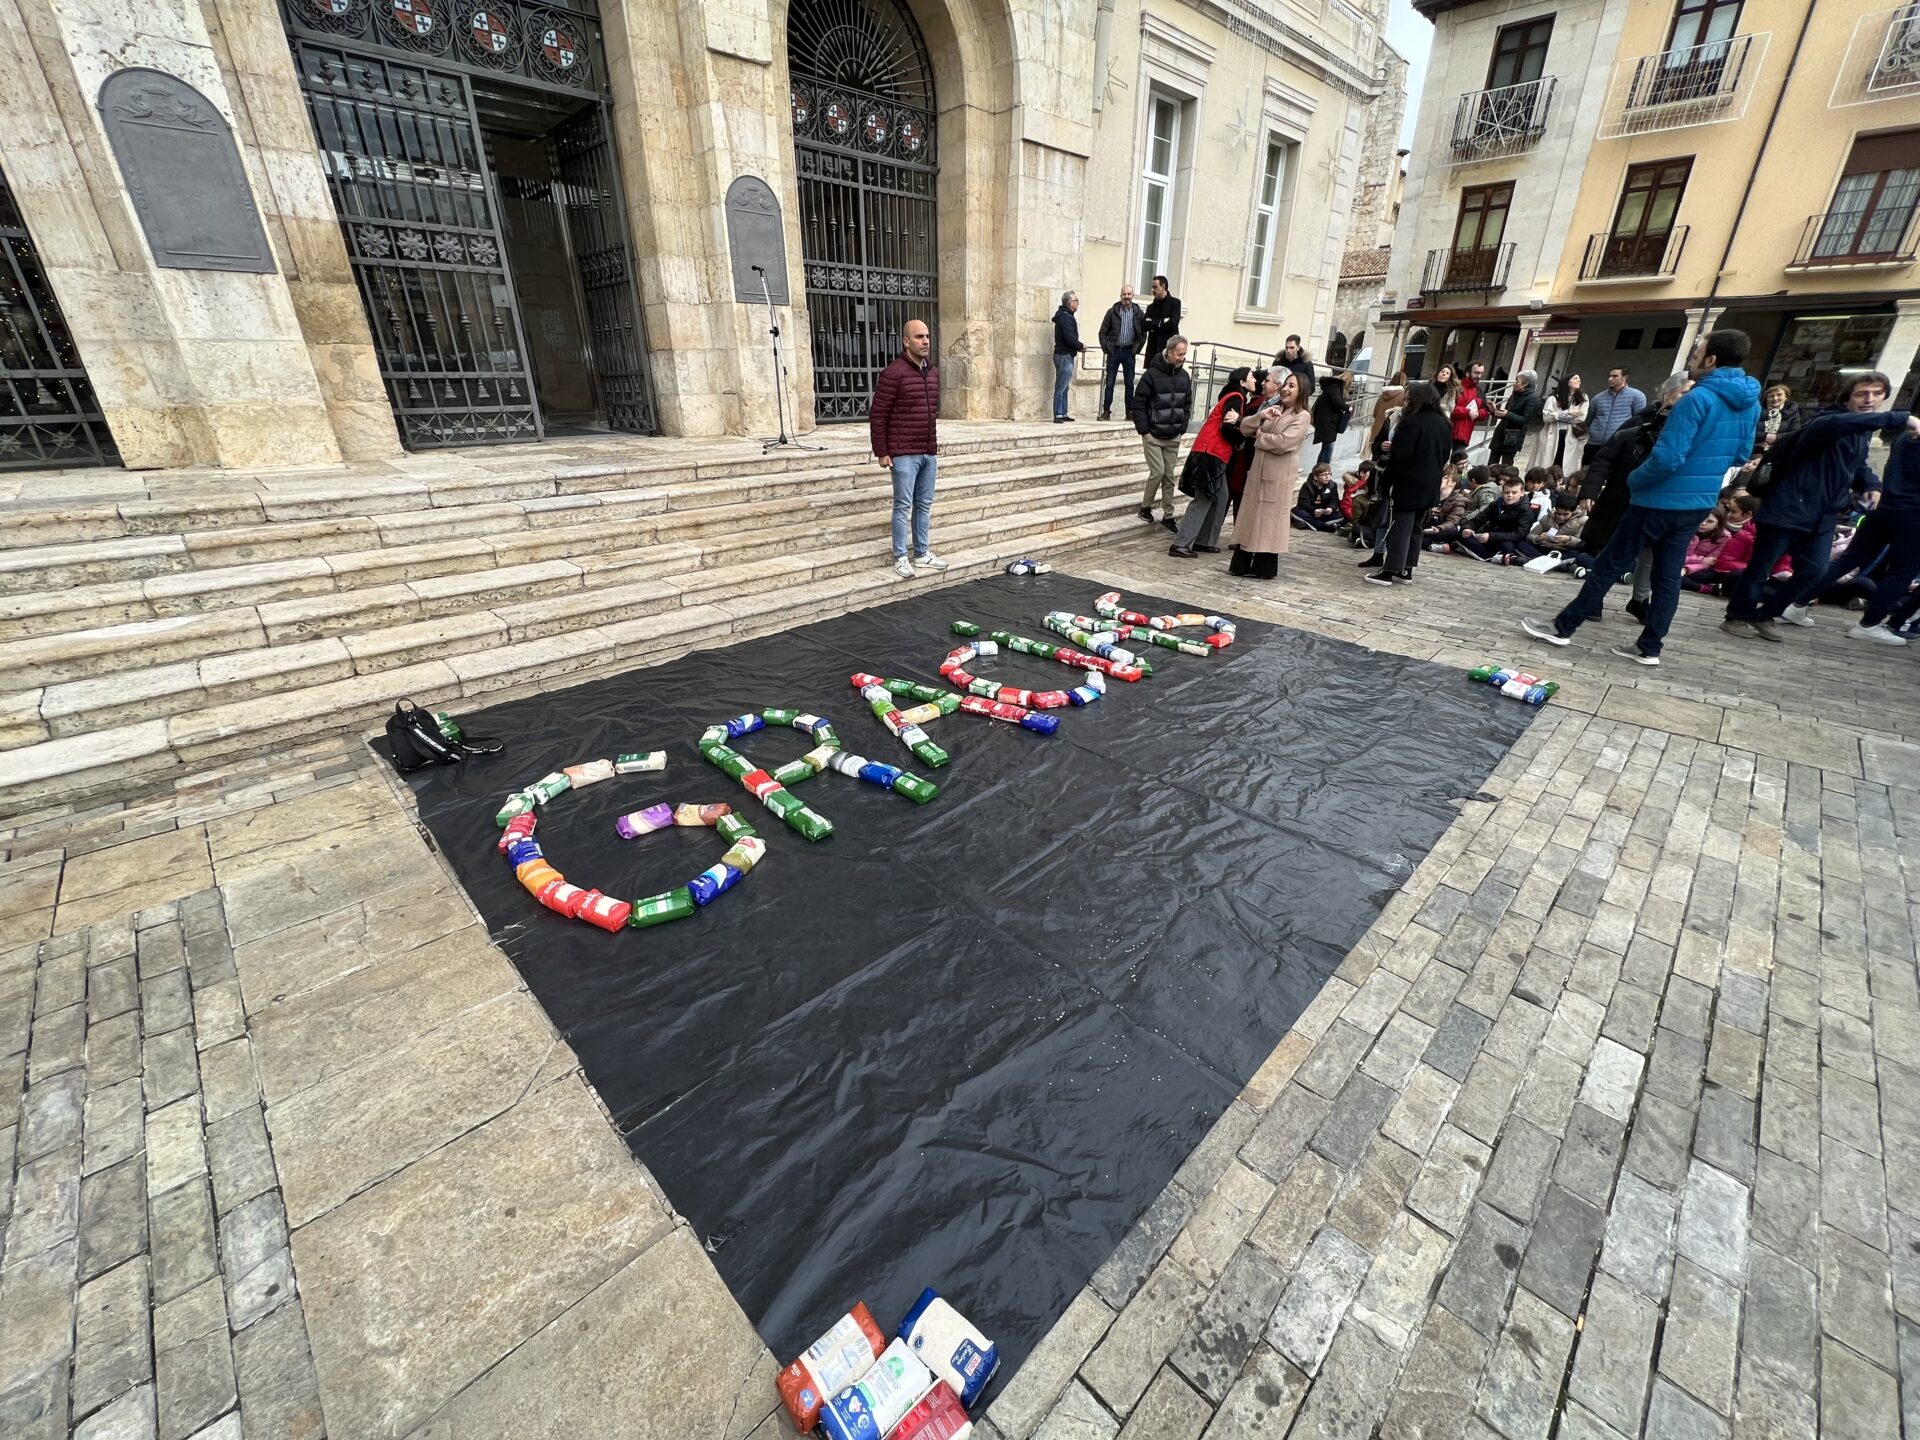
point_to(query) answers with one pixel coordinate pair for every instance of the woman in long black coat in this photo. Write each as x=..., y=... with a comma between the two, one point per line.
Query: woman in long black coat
x=1330, y=415
x=1422, y=445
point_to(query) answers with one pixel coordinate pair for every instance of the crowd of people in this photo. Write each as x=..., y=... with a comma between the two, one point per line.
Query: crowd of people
x=1713, y=485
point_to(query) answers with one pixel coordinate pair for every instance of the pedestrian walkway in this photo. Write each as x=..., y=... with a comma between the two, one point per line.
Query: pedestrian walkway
x=1604, y=1124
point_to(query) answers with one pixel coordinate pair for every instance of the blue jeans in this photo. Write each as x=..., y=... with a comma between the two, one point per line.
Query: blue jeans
x=1062, y=378
x=912, y=493
x=1811, y=551
x=1666, y=533
x=1119, y=362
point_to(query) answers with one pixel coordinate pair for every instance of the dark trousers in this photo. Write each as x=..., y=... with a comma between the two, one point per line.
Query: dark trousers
x=1666, y=533
x=1811, y=552
x=1488, y=549
x=1871, y=538
x=1119, y=362
x=1403, y=540
x=1901, y=529
x=1307, y=520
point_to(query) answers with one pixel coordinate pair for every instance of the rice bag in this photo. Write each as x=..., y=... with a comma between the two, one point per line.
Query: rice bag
x=949, y=1346
x=879, y=1399
x=937, y=1416
x=829, y=1365
x=639, y=761
x=588, y=772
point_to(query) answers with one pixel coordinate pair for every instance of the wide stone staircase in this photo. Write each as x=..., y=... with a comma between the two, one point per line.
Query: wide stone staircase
x=154, y=628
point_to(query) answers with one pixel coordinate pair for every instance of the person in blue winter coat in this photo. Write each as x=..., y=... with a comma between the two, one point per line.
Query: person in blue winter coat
x=1708, y=432
x=1815, y=471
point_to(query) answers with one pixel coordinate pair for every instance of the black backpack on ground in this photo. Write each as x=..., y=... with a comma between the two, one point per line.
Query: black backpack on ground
x=417, y=739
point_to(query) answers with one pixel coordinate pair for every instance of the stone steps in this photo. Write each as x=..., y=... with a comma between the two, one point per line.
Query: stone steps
x=111, y=575
x=601, y=549
x=185, y=503
x=350, y=683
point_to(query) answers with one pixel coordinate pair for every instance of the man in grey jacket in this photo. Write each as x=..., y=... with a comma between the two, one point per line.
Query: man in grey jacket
x=1609, y=410
x=1123, y=331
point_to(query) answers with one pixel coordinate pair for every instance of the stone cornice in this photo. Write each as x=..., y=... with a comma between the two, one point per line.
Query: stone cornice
x=1247, y=21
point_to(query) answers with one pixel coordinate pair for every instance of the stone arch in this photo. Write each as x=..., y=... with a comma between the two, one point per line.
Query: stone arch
x=970, y=45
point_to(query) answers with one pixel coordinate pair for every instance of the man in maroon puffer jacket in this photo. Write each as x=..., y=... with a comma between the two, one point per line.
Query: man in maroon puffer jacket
x=903, y=421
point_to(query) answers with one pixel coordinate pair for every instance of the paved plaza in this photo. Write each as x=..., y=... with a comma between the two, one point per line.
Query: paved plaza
x=1602, y=1130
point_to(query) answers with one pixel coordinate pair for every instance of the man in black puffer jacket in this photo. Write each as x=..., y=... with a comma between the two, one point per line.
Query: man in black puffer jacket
x=1162, y=406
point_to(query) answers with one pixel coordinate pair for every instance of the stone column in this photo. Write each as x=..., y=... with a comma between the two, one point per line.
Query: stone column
x=276, y=138
x=222, y=351
x=1700, y=319
x=1524, y=350
x=1901, y=353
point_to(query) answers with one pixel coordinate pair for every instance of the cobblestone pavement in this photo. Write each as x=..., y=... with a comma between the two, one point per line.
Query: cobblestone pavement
x=1603, y=1126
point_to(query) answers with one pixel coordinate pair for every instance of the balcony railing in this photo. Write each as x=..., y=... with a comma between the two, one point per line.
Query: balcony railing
x=1883, y=58
x=1633, y=257
x=1695, y=85
x=1841, y=238
x=1483, y=267
x=1488, y=124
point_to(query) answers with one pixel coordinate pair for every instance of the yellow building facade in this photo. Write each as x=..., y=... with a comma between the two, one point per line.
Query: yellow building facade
x=1751, y=163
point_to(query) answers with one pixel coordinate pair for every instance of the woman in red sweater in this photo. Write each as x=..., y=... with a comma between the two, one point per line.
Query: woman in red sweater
x=1205, y=474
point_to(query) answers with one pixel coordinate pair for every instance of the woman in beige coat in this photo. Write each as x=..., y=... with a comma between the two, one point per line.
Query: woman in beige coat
x=1278, y=429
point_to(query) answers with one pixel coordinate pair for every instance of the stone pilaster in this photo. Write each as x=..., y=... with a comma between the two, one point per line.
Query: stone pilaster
x=1901, y=353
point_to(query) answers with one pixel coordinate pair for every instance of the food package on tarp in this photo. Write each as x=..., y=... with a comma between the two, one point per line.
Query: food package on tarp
x=675, y=904
x=637, y=762
x=520, y=827
x=830, y=1364
x=517, y=804
x=549, y=787
x=880, y=1399
x=734, y=827
x=588, y=772
x=949, y=1346
x=938, y=1415
x=700, y=814
x=644, y=822
x=746, y=853
x=562, y=898
x=605, y=911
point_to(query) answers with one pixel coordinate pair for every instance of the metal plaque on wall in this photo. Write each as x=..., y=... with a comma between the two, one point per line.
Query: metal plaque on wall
x=181, y=166
x=756, y=237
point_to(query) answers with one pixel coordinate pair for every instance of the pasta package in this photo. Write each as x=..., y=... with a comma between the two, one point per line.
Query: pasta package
x=829, y=1365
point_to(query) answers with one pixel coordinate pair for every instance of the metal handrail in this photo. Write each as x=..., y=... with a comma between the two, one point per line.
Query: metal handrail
x=1633, y=257
x=1709, y=72
x=1503, y=121
x=1812, y=254
x=1478, y=267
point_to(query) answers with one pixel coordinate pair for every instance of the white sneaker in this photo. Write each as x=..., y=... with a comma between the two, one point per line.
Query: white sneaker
x=1797, y=615
x=903, y=567
x=1879, y=634
x=929, y=561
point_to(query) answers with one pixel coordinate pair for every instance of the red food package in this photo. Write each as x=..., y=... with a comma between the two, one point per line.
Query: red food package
x=1050, y=700
x=938, y=1416
x=830, y=1364
x=518, y=828
x=605, y=911
x=562, y=898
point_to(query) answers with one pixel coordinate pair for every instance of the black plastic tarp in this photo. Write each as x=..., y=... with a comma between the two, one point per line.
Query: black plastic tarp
x=964, y=1044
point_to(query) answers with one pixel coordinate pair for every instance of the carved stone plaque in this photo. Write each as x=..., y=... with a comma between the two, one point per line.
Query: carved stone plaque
x=756, y=237
x=182, y=168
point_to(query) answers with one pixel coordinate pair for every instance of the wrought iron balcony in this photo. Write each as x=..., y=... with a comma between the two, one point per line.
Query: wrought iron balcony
x=1896, y=68
x=1488, y=124
x=1843, y=238
x=1693, y=85
x=1633, y=257
x=1483, y=267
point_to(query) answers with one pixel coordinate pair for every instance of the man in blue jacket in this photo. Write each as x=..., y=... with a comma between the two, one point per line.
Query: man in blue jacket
x=1812, y=488
x=1708, y=433
x=1067, y=349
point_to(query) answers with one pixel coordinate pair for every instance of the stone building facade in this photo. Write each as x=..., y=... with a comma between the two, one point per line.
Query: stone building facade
x=1376, y=208
x=482, y=221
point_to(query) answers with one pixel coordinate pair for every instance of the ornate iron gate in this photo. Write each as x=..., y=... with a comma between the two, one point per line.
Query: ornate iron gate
x=390, y=89
x=48, y=415
x=863, y=127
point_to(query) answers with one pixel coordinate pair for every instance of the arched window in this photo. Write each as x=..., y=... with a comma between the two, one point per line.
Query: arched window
x=1337, y=349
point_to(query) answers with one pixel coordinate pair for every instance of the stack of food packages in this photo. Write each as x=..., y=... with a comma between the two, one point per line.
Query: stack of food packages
x=854, y=1384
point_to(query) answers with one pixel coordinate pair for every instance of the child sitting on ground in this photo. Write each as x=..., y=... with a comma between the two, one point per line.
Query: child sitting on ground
x=1499, y=532
x=1736, y=548
x=1705, y=547
x=1444, y=520
x=1317, y=507
x=1482, y=488
x=1540, y=491
x=1560, y=528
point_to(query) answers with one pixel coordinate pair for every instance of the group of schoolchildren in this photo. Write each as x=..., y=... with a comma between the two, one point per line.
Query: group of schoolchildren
x=1497, y=514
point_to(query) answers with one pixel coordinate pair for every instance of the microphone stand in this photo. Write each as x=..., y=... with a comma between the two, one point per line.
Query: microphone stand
x=779, y=375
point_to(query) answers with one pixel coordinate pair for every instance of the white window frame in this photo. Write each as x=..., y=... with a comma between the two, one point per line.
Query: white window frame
x=1265, y=240
x=1163, y=183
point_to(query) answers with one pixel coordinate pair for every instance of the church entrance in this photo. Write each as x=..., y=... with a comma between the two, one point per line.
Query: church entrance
x=469, y=151
x=863, y=127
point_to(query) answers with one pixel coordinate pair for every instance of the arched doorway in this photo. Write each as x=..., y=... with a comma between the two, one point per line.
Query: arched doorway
x=863, y=130
x=1414, y=361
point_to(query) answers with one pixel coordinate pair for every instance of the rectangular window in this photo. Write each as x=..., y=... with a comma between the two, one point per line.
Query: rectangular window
x=1643, y=220
x=1157, y=186
x=1873, y=205
x=1520, y=53
x=1477, y=235
x=1266, y=224
x=1701, y=22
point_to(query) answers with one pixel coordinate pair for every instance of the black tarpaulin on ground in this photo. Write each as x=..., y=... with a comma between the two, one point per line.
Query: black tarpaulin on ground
x=964, y=1044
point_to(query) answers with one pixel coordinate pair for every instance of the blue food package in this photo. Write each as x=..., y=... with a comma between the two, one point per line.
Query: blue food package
x=949, y=1346
x=879, y=1399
